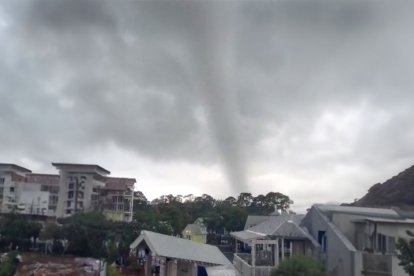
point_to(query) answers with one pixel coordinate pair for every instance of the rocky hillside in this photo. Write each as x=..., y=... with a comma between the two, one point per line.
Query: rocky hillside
x=397, y=191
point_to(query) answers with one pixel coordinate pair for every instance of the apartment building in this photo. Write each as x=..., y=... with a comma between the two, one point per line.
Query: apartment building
x=77, y=188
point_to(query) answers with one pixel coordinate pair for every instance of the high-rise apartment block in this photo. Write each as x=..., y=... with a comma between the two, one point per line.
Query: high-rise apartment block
x=77, y=188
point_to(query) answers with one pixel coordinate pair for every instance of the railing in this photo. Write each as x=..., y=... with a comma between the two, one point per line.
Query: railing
x=242, y=262
x=377, y=263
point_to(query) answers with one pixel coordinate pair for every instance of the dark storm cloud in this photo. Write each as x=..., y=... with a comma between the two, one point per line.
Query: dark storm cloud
x=304, y=85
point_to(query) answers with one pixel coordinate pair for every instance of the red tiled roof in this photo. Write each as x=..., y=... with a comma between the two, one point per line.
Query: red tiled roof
x=119, y=183
x=46, y=179
x=17, y=177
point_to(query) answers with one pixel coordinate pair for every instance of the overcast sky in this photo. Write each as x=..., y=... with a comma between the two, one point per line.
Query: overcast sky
x=313, y=99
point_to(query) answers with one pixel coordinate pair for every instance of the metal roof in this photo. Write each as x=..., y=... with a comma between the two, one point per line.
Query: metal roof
x=173, y=247
x=394, y=221
x=285, y=225
x=363, y=211
x=255, y=220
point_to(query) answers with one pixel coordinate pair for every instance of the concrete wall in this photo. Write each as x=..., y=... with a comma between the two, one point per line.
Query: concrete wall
x=31, y=200
x=7, y=196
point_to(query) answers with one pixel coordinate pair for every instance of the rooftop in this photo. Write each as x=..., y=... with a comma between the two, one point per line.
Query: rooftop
x=255, y=220
x=173, y=247
x=363, y=211
x=46, y=179
x=284, y=225
x=13, y=167
x=81, y=168
x=119, y=183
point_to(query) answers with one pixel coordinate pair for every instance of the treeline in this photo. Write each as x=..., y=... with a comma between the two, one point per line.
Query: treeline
x=169, y=214
x=90, y=234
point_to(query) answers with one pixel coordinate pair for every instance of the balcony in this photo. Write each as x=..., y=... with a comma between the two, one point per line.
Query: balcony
x=377, y=264
x=243, y=263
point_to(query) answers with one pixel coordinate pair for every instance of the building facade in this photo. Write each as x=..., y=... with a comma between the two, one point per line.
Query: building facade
x=77, y=188
x=358, y=240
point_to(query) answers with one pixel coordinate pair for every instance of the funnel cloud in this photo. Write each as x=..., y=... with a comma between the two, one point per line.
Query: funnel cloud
x=312, y=99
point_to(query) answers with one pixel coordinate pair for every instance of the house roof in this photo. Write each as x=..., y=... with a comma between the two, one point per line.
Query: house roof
x=391, y=221
x=285, y=225
x=363, y=211
x=177, y=248
x=254, y=220
x=195, y=229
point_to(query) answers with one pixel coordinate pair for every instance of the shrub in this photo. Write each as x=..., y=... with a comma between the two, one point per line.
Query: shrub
x=299, y=266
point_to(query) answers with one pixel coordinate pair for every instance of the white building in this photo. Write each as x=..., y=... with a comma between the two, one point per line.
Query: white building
x=77, y=188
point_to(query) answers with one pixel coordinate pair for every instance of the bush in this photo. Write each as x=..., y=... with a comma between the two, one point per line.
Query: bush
x=8, y=267
x=299, y=266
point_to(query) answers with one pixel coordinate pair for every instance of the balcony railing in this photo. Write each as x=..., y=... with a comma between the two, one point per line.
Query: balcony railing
x=243, y=263
x=377, y=263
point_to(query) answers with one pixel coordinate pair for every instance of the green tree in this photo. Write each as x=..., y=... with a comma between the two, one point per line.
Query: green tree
x=19, y=231
x=87, y=233
x=299, y=266
x=8, y=267
x=406, y=253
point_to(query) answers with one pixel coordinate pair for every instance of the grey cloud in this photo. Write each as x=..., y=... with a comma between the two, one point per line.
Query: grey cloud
x=151, y=77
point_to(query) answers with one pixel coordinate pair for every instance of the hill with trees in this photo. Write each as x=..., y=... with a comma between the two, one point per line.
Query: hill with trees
x=397, y=191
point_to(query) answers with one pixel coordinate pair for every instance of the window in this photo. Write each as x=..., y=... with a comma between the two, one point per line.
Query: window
x=44, y=188
x=385, y=244
x=70, y=194
x=11, y=189
x=1, y=180
x=322, y=240
x=68, y=204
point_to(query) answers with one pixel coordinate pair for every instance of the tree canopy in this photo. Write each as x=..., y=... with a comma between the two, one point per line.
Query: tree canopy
x=170, y=214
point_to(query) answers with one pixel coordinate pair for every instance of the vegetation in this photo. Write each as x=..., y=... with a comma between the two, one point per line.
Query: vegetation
x=406, y=253
x=9, y=265
x=299, y=266
x=169, y=214
x=92, y=235
x=18, y=232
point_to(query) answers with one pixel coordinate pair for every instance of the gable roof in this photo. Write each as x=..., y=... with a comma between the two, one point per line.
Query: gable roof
x=255, y=220
x=195, y=229
x=173, y=247
x=284, y=225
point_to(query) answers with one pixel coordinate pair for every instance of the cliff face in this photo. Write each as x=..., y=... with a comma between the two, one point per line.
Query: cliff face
x=397, y=191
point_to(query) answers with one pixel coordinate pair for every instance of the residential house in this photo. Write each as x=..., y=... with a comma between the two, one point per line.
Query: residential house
x=358, y=240
x=171, y=256
x=261, y=248
x=196, y=231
